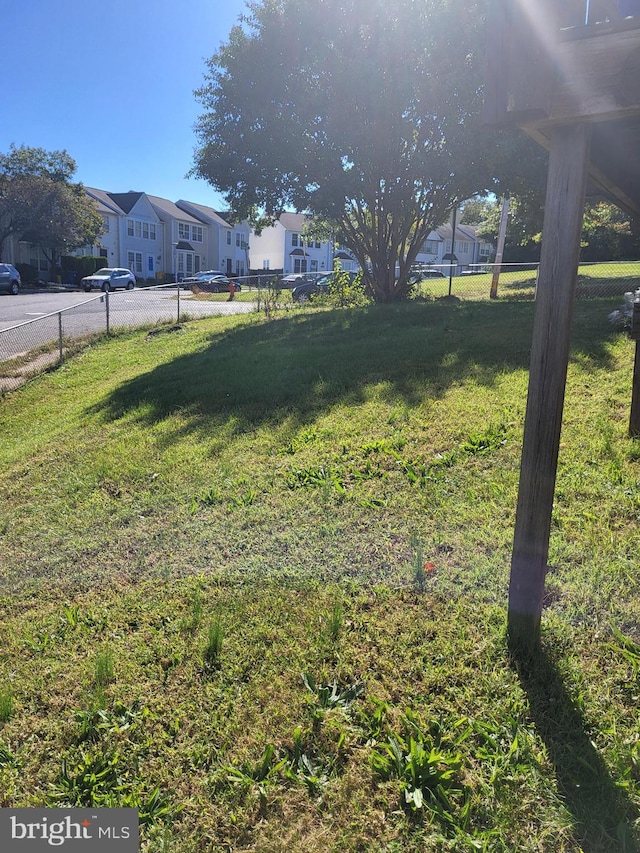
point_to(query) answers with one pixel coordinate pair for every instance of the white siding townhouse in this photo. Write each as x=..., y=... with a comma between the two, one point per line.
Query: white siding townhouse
x=136, y=240
x=187, y=239
x=468, y=248
x=228, y=244
x=157, y=238
x=285, y=247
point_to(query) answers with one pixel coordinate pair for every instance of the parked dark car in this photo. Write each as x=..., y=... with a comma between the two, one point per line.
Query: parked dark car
x=295, y=278
x=312, y=288
x=9, y=279
x=200, y=277
x=212, y=283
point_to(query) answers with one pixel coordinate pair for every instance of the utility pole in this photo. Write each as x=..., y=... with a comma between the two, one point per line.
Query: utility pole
x=504, y=215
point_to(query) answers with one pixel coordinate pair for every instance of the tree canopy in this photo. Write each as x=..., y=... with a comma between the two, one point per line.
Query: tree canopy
x=40, y=203
x=363, y=112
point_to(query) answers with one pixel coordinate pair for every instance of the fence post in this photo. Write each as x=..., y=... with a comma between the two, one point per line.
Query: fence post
x=60, y=335
x=106, y=308
x=178, y=283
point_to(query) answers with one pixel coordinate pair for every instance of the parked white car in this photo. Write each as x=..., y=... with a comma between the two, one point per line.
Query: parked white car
x=109, y=279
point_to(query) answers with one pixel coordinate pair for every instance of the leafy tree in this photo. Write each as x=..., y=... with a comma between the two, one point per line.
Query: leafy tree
x=476, y=210
x=523, y=228
x=608, y=234
x=39, y=202
x=363, y=112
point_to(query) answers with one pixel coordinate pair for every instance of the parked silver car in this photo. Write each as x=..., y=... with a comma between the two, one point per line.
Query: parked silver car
x=109, y=279
x=9, y=279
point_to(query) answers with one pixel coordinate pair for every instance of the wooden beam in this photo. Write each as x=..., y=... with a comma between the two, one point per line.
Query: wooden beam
x=566, y=185
x=604, y=183
x=598, y=79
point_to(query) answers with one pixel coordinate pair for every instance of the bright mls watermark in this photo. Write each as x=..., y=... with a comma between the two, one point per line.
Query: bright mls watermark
x=79, y=830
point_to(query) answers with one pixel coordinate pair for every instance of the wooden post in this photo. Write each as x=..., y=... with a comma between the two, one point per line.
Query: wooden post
x=502, y=233
x=566, y=184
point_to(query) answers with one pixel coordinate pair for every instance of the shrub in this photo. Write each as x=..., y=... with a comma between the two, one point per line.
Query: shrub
x=28, y=273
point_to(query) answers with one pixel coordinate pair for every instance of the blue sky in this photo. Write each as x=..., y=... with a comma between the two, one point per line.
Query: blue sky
x=111, y=81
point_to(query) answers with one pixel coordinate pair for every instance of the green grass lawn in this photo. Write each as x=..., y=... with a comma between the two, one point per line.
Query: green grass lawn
x=595, y=280
x=253, y=580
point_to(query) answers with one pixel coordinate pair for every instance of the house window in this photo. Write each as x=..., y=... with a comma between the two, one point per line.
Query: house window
x=140, y=229
x=183, y=231
x=237, y=240
x=189, y=263
x=196, y=233
x=300, y=265
x=228, y=238
x=317, y=244
x=105, y=224
x=430, y=247
x=296, y=240
x=463, y=247
x=38, y=261
x=135, y=262
x=265, y=264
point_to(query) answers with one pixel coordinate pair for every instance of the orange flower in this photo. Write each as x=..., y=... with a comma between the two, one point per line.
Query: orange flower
x=429, y=567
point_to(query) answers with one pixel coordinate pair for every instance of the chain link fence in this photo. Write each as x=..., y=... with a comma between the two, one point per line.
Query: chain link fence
x=30, y=347
x=606, y=280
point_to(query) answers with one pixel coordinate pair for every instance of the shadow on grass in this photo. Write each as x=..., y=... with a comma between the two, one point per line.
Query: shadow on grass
x=603, y=816
x=293, y=368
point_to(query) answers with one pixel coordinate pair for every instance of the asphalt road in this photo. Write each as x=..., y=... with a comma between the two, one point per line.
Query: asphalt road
x=29, y=320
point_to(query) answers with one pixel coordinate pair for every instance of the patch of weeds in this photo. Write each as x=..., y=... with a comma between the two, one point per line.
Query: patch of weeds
x=93, y=725
x=213, y=649
x=247, y=499
x=7, y=758
x=71, y=614
x=478, y=443
x=6, y=705
x=102, y=780
x=491, y=439
x=427, y=772
x=421, y=569
x=103, y=668
x=373, y=723
x=335, y=621
x=627, y=648
x=326, y=697
x=93, y=779
x=258, y=775
x=377, y=446
x=191, y=623
x=210, y=498
x=38, y=641
x=304, y=478
x=304, y=767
